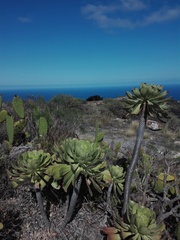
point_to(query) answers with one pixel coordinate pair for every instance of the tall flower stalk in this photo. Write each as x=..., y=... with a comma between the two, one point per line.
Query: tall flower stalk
x=148, y=100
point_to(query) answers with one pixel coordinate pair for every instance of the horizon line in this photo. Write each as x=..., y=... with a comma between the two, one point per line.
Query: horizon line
x=162, y=81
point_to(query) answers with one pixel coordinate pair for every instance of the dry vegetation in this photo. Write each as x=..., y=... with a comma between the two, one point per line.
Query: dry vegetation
x=71, y=117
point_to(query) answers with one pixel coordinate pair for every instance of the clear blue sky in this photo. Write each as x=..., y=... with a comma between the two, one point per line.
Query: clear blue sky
x=88, y=43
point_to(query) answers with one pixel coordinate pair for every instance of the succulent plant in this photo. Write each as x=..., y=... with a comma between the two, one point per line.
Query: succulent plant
x=3, y=115
x=18, y=106
x=13, y=128
x=152, y=96
x=42, y=126
x=31, y=166
x=10, y=128
x=78, y=158
x=148, y=100
x=140, y=225
x=114, y=176
x=170, y=181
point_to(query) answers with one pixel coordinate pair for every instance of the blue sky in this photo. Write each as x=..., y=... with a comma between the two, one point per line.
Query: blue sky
x=88, y=43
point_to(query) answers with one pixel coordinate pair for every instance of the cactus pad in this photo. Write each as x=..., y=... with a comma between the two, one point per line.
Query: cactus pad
x=3, y=115
x=42, y=126
x=18, y=106
x=10, y=128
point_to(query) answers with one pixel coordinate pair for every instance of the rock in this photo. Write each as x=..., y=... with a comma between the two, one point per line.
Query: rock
x=161, y=150
x=153, y=125
x=177, y=142
x=177, y=155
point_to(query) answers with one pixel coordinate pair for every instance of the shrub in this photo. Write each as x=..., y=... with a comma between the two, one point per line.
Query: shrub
x=115, y=107
x=94, y=98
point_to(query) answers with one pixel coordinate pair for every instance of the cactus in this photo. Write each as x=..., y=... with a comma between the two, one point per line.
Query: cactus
x=41, y=122
x=42, y=126
x=3, y=115
x=170, y=181
x=10, y=128
x=36, y=113
x=18, y=106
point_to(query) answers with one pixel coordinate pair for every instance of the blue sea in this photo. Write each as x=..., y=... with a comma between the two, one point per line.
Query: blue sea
x=83, y=93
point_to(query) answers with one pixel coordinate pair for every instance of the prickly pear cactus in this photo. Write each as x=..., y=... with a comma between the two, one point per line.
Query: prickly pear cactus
x=10, y=128
x=3, y=115
x=171, y=183
x=42, y=126
x=18, y=106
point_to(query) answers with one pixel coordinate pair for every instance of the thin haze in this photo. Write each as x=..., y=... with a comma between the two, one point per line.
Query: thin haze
x=73, y=43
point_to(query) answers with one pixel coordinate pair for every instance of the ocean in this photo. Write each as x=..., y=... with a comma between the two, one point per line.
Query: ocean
x=83, y=93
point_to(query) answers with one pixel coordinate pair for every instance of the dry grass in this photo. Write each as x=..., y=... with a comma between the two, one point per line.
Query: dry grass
x=146, y=135
x=131, y=131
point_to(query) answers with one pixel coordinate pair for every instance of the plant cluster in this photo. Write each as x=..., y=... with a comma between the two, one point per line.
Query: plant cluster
x=72, y=163
x=13, y=127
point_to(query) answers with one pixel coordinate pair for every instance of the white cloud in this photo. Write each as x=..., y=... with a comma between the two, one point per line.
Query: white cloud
x=132, y=5
x=162, y=15
x=112, y=16
x=91, y=10
x=100, y=15
x=24, y=19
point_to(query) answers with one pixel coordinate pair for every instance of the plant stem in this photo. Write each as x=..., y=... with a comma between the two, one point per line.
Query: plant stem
x=109, y=206
x=40, y=203
x=73, y=201
x=134, y=160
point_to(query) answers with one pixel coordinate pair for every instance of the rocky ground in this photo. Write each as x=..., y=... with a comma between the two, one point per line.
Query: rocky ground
x=18, y=207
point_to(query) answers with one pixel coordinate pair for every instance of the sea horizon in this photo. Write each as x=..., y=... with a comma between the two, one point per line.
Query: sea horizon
x=80, y=92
